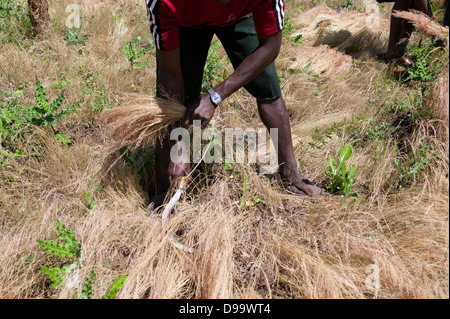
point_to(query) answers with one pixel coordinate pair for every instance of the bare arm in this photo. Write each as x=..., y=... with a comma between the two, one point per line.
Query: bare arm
x=250, y=68
x=169, y=73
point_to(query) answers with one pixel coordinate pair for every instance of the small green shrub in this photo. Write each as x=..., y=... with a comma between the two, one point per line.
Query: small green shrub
x=66, y=247
x=73, y=37
x=15, y=117
x=411, y=168
x=428, y=60
x=133, y=53
x=342, y=180
x=214, y=64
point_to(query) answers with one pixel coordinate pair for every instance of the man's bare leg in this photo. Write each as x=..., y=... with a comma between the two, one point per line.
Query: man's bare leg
x=274, y=114
x=400, y=29
x=162, y=158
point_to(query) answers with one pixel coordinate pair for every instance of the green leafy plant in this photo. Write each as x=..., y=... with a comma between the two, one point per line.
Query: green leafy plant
x=133, y=53
x=16, y=117
x=116, y=285
x=342, y=180
x=428, y=60
x=379, y=130
x=67, y=247
x=249, y=200
x=73, y=37
x=297, y=39
x=90, y=202
x=49, y=113
x=12, y=121
x=231, y=167
x=100, y=101
x=58, y=274
x=288, y=27
x=212, y=74
x=111, y=291
x=86, y=292
x=412, y=167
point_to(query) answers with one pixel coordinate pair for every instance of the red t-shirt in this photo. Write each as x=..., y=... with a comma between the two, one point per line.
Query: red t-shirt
x=166, y=15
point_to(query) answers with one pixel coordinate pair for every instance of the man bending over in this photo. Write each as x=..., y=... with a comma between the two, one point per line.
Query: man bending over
x=250, y=32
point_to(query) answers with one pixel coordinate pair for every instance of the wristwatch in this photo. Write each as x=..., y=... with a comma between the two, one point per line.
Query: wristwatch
x=215, y=97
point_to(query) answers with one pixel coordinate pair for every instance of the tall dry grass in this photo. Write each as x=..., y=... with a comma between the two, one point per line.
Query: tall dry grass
x=288, y=247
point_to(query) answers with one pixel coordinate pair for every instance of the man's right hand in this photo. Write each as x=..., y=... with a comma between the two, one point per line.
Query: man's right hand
x=180, y=165
x=201, y=109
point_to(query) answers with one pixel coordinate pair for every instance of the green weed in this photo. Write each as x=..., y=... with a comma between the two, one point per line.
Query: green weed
x=73, y=37
x=67, y=247
x=249, y=199
x=428, y=61
x=133, y=52
x=412, y=167
x=213, y=72
x=15, y=117
x=342, y=180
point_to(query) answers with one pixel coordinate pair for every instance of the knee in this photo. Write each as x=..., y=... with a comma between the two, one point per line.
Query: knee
x=270, y=101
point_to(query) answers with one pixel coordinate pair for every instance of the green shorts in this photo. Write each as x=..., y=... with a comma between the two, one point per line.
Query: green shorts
x=239, y=41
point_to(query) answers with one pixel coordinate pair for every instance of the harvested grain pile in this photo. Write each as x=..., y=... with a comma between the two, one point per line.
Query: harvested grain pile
x=348, y=31
x=319, y=60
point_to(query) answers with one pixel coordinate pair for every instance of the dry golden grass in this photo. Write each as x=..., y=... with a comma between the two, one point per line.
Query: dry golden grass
x=440, y=102
x=348, y=31
x=289, y=247
x=141, y=120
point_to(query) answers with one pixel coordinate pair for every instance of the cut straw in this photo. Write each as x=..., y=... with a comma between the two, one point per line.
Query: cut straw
x=141, y=120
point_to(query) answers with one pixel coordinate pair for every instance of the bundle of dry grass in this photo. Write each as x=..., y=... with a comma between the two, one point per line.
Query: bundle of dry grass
x=141, y=120
x=424, y=24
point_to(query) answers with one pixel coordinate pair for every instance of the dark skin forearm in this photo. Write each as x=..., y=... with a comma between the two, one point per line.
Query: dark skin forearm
x=250, y=68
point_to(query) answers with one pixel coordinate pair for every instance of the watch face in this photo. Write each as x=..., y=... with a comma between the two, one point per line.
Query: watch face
x=215, y=98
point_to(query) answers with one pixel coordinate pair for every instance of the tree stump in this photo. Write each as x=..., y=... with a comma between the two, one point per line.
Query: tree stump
x=39, y=16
